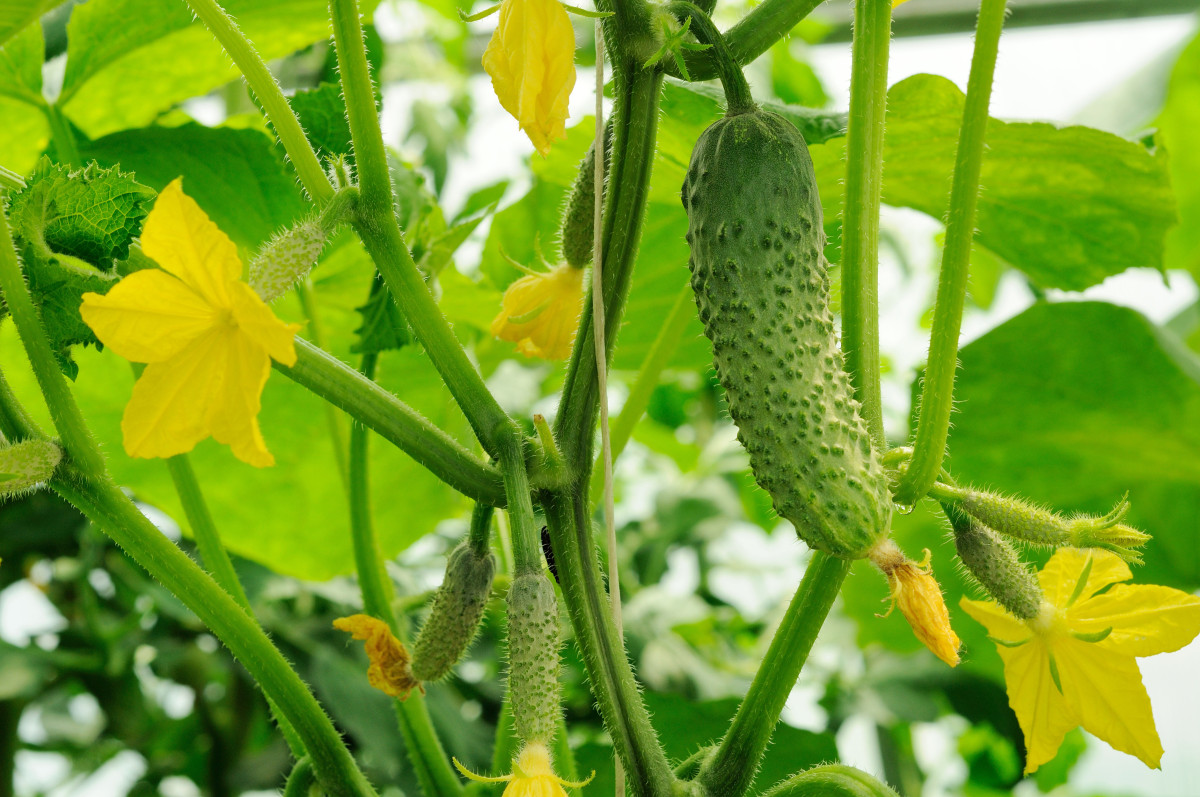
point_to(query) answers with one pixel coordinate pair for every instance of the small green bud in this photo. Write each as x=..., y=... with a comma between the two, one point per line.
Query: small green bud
x=286, y=259
x=26, y=464
x=1109, y=533
x=995, y=565
x=533, y=642
x=454, y=618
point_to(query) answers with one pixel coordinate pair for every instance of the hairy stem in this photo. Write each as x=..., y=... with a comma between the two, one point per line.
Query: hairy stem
x=265, y=87
x=732, y=768
x=864, y=184
x=737, y=92
x=377, y=409
x=77, y=439
x=752, y=36
x=937, y=392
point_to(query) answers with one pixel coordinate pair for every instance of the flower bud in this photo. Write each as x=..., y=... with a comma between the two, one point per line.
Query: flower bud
x=995, y=565
x=26, y=464
x=287, y=258
x=454, y=618
x=1109, y=533
x=533, y=641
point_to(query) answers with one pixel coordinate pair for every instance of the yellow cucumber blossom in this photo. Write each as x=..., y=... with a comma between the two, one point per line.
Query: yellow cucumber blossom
x=531, y=59
x=916, y=593
x=206, y=337
x=1074, y=663
x=390, y=671
x=540, y=312
x=532, y=775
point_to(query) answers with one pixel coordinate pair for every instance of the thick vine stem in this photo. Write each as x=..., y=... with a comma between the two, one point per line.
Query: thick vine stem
x=752, y=36
x=864, y=185
x=527, y=542
x=109, y=508
x=395, y=421
x=937, y=392
x=77, y=439
x=480, y=535
x=613, y=685
x=264, y=86
x=376, y=225
x=731, y=769
x=737, y=92
x=831, y=780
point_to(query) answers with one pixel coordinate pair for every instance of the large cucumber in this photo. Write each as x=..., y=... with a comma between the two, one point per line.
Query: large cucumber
x=762, y=289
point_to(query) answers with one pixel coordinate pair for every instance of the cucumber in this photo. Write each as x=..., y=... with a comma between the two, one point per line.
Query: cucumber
x=578, y=224
x=762, y=290
x=533, y=663
x=454, y=618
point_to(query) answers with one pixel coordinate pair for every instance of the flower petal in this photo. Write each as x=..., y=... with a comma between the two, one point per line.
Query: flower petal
x=180, y=237
x=999, y=623
x=147, y=317
x=256, y=320
x=547, y=306
x=1145, y=619
x=1105, y=688
x=233, y=415
x=1043, y=713
x=1061, y=574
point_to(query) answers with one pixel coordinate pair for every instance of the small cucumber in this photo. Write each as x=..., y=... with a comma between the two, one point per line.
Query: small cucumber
x=578, y=222
x=533, y=664
x=454, y=618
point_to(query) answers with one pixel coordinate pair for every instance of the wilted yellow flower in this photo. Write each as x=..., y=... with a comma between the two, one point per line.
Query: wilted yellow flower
x=540, y=312
x=531, y=59
x=532, y=775
x=390, y=670
x=207, y=337
x=917, y=594
x=1075, y=663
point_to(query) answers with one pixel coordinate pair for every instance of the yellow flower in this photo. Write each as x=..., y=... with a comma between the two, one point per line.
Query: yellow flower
x=1074, y=664
x=389, y=671
x=207, y=337
x=540, y=312
x=532, y=775
x=919, y=597
x=531, y=59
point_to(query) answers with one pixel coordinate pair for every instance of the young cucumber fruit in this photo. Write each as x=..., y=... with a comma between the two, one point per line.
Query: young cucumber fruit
x=457, y=609
x=762, y=289
x=533, y=664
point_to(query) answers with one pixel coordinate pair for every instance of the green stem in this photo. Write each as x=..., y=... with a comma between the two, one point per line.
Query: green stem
x=308, y=305
x=301, y=780
x=109, y=508
x=937, y=392
x=62, y=135
x=11, y=180
x=647, y=379
x=263, y=84
x=752, y=36
x=380, y=233
x=602, y=648
x=737, y=91
x=527, y=542
x=395, y=421
x=76, y=438
x=480, y=535
x=831, y=780
x=731, y=769
x=864, y=184
x=425, y=751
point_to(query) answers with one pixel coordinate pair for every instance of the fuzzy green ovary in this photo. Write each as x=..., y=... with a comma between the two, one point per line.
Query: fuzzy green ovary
x=533, y=663
x=457, y=610
x=762, y=289
x=1016, y=519
x=997, y=568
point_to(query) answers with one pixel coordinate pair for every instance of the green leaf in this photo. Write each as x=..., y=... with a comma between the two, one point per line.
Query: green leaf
x=157, y=47
x=21, y=65
x=237, y=176
x=91, y=214
x=322, y=114
x=24, y=133
x=1180, y=134
x=1068, y=206
x=383, y=327
x=1069, y=405
x=19, y=15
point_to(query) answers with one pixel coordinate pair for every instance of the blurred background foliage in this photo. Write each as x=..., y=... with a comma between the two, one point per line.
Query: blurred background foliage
x=1068, y=402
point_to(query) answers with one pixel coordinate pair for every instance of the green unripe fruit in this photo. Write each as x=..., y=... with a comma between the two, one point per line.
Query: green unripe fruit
x=286, y=259
x=578, y=225
x=831, y=780
x=533, y=641
x=1015, y=518
x=454, y=618
x=762, y=289
x=995, y=565
x=27, y=464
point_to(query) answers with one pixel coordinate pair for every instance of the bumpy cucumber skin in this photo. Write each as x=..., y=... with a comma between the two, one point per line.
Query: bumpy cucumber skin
x=994, y=563
x=762, y=289
x=453, y=620
x=578, y=222
x=533, y=663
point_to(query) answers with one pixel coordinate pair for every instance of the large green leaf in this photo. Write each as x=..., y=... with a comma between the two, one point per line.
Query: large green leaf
x=1179, y=124
x=1070, y=405
x=1068, y=206
x=24, y=132
x=129, y=60
x=19, y=15
x=237, y=176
